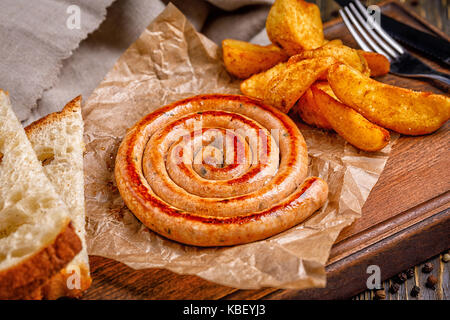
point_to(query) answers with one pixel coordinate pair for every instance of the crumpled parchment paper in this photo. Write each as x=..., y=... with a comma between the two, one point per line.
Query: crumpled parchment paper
x=171, y=61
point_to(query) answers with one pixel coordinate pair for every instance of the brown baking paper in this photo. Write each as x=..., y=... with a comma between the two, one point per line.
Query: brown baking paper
x=171, y=61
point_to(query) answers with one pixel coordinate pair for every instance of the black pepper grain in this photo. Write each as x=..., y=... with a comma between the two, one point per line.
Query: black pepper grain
x=431, y=282
x=415, y=291
x=379, y=294
x=427, y=267
x=400, y=278
x=394, y=288
x=410, y=273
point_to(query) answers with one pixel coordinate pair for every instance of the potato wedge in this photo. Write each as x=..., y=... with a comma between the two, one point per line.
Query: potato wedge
x=243, y=59
x=295, y=25
x=348, y=123
x=307, y=110
x=402, y=110
x=325, y=86
x=334, y=42
x=255, y=85
x=341, y=53
x=286, y=88
x=378, y=64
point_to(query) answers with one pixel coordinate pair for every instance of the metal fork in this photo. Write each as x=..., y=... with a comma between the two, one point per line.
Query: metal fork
x=372, y=37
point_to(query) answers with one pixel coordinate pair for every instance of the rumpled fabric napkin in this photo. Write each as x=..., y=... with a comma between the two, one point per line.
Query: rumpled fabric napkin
x=126, y=20
x=44, y=63
x=35, y=37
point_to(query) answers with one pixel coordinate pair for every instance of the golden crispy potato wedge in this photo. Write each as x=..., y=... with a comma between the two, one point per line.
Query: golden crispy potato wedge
x=348, y=123
x=334, y=42
x=402, y=110
x=378, y=64
x=286, y=88
x=295, y=25
x=341, y=53
x=325, y=86
x=243, y=59
x=255, y=85
x=307, y=110
x=319, y=107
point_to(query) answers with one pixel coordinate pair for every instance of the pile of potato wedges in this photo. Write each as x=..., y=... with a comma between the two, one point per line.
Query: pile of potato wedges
x=328, y=84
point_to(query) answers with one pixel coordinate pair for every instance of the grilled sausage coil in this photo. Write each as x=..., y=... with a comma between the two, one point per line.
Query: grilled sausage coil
x=217, y=170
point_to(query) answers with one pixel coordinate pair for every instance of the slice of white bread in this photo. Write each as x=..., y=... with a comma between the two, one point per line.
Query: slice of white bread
x=57, y=140
x=36, y=235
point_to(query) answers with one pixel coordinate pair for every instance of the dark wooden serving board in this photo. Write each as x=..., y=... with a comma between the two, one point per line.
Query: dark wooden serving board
x=405, y=220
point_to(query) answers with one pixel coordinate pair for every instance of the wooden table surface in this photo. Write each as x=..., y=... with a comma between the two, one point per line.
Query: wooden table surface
x=441, y=271
x=437, y=13
x=405, y=221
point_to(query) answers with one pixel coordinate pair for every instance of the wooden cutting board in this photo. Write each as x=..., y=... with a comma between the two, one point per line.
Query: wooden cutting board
x=405, y=220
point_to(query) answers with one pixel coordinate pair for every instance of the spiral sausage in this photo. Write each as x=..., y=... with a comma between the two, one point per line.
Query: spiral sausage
x=217, y=170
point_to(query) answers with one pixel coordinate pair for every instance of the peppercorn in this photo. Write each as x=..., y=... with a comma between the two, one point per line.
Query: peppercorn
x=394, y=288
x=431, y=282
x=401, y=277
x=427, y=267
x=410, y=273
x=446, y=257
x=415, y=291
x=380, y=294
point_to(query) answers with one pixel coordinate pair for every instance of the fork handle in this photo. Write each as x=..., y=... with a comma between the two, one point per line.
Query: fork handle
x=436, y=75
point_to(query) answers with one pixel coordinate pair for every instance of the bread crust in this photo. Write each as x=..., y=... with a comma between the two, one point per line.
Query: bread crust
x=72, y=106
x=56, y=287
x=22, y=280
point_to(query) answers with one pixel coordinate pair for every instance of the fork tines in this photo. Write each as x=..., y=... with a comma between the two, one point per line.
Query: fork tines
x=368, y=33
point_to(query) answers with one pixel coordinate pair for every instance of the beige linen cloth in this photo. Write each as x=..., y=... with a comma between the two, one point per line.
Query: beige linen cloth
x=34, y=39
x=127, y=19
x=44, y=64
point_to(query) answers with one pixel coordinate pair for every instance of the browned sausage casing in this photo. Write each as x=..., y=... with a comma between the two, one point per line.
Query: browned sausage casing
x=217, y=170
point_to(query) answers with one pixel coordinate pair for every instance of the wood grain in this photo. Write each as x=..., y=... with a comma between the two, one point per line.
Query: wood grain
x=114, y=280
x=405, y=220
x=442, y=292
x=393, y=254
